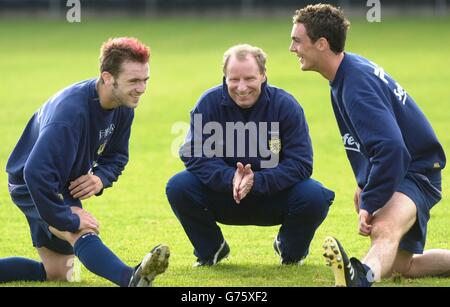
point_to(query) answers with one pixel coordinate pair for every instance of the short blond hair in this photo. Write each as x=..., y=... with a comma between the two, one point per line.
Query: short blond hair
x=241, y=51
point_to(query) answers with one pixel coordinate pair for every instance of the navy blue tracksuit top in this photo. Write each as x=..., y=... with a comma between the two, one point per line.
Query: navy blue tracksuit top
x=291, y=141
x=385, y=133
x=69, y=136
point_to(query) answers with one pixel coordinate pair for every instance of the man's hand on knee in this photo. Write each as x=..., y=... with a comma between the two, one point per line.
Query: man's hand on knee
x=365, y=223
x=87, y=220
x=87, y=224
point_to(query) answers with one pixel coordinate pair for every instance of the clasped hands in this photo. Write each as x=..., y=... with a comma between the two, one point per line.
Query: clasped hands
x=242, y=182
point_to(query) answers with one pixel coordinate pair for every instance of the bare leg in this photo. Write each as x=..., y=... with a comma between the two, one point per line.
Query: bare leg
x=390, y=224
x=68, y=236
x=432, y=263
x=57, y=266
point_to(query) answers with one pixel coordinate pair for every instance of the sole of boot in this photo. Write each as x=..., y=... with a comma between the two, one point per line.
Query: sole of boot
x=335, y=261
x=154, y=263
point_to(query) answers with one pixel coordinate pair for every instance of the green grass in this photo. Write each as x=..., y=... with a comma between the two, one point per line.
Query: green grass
x=37, y=58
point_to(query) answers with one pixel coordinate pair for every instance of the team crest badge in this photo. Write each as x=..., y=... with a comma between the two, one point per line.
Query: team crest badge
x=275, y=145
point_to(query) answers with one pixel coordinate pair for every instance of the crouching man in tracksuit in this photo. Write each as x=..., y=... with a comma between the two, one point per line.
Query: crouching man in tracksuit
x=248, y=160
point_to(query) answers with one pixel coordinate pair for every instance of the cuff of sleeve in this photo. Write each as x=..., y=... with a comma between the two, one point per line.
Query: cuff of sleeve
x=371, y=208
x=229, y=176
x=105, y=181
x=75, y=226
x=258, y=184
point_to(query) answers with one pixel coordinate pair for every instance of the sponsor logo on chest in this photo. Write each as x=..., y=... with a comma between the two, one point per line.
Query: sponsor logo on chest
x=350, y=143
x=106, y=132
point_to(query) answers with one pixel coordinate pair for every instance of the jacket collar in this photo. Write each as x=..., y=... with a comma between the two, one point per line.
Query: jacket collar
x=340, y=72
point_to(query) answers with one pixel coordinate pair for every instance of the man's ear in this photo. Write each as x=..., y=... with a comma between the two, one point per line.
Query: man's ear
x=322, y=44
x=108, y=79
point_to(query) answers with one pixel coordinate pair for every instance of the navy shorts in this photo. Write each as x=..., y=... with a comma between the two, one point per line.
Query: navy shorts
x=425, y=191
x=40, y=234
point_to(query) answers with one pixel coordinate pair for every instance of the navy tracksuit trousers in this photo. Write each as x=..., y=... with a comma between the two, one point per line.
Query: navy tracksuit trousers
x=299, y=210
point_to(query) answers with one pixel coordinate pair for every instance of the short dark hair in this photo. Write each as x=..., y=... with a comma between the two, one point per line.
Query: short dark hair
x=115, y=51
x=324, y=20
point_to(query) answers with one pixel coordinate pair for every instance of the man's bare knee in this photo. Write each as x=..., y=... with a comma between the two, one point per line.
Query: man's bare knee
x=75, y=236
x=384, y=231
x=70, y=237
x=403, y=263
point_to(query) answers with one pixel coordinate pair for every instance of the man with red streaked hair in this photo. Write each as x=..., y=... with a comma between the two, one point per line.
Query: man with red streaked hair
x=73, y=147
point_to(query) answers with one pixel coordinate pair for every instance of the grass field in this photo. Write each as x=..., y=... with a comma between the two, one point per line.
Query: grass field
x=37, y=58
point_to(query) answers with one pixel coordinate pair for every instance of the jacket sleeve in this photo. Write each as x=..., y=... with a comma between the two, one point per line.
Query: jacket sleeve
x=360, y=164
x=211, y=171
x=113, y=161
x=382, y=139
x=296, y=156
x=46, y=172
